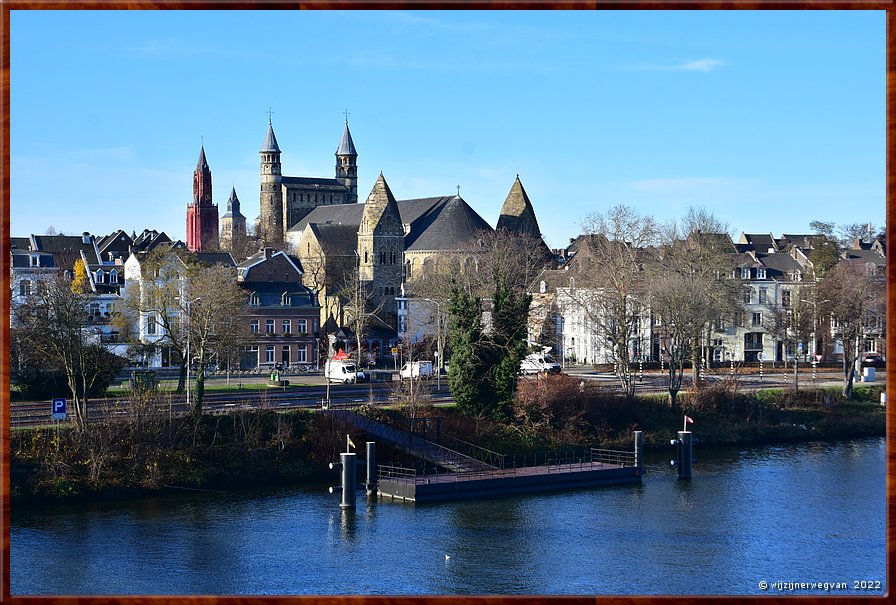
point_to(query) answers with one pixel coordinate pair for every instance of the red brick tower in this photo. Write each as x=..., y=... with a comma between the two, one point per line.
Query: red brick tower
x=202, y=215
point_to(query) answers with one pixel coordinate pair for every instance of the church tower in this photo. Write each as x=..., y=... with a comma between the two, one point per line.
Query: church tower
x=271, y=203
x=518, y=216
x=233, y=223
x=347, y=165
x=381, y=250
x=202, y=215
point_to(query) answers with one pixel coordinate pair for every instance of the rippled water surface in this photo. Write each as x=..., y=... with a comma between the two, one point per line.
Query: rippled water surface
x=798, y=513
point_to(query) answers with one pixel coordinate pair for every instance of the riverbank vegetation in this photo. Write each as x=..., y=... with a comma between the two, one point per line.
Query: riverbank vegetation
x=148, y=451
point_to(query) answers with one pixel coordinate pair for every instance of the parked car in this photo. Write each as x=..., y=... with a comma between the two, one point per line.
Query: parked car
x=873, y=360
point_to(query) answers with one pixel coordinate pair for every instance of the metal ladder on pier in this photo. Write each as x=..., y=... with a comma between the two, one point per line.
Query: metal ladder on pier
x=413, y=444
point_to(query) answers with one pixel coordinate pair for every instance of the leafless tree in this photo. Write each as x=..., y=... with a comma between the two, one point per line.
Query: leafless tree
x=852, y=298
x=692, y=290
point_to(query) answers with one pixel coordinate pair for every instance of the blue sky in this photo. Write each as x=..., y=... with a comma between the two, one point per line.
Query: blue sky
x=767, y=119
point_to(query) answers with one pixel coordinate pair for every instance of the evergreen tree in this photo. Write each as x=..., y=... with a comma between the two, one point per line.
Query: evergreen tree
x=468, y=374
x=508, y=341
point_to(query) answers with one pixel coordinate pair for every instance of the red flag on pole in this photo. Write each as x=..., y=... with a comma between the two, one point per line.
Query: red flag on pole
x=686, y=420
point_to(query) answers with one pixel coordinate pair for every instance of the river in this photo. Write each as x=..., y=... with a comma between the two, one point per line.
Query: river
x=783, y=515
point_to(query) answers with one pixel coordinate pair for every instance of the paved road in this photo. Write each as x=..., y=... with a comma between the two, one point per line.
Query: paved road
x=313, y=389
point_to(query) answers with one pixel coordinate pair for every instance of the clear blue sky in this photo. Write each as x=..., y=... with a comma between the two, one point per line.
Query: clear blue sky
x=767, y=119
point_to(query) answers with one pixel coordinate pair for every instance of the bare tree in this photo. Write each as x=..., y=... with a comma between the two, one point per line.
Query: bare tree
x=793, y=325
x=692, y=290
x=611, y=285
x=51, y=327
x=851, y=298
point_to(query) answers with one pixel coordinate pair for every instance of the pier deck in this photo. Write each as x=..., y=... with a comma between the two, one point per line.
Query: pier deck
x=499, y=482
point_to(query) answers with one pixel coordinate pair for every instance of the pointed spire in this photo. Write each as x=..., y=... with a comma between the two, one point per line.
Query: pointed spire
x=202, y=164
x=270, y=141
x=517, y=213
x=346, y=145
x=233, y=202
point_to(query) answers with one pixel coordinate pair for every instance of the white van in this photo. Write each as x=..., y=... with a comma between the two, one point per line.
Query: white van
x=538, y=363
x=343, y=371
x=417, y=369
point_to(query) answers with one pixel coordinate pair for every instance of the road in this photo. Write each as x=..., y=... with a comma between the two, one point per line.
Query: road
x=312, y=390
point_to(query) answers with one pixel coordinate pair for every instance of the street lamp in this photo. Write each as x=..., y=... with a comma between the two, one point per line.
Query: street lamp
x=438, y=341
x=188, y=304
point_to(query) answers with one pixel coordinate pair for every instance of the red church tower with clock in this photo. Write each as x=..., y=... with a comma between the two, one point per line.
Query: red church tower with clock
x=202, y=215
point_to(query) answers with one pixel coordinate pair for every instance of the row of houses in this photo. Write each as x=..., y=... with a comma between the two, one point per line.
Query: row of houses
x=286, y=321
x=775, y=274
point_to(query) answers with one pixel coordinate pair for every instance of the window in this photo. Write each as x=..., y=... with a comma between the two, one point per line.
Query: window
x=113, y=276
x=302, y=355
x=34, y=260
x=269, y=354
x=392, y=257
x=285, y=299
x=748, y=296
x=762, y=295
x=253, y=326
x=302, y=326
x=760, y=273
x=745, y=273
x=25, y=287
x=100, y=276
x=383, y=257
x=286, y=325
x=269, y=326
x=785, y=298
x=739, y=319
x=151, y=325
x=253, y=299
x=365, y=257
x=757, y=319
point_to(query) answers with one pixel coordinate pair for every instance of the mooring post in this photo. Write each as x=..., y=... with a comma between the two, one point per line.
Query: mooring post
x=347, y=487
x=639, y=446
x=684, y=454
x=371, y=469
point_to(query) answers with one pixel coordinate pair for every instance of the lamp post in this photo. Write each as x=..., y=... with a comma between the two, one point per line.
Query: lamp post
x=814, y=304
x=438, y=341
x=188, y=304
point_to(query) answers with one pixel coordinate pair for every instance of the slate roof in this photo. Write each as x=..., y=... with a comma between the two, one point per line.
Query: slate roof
x=313, y=181
x=233, y=206
x=66, y=249
x=211, y=259
x=867, y=256
x=270, y=141
x=335, y=239
x=780, y=266
x=202, y=164
x=346, y=145
x=350, y=214
x=20, y=243
x=761, y=242
x=450, y=226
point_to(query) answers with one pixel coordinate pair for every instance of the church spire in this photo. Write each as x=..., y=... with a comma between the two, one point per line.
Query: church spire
x=347, y=164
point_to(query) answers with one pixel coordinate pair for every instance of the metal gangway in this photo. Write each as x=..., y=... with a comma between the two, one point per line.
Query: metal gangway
x=415, y=445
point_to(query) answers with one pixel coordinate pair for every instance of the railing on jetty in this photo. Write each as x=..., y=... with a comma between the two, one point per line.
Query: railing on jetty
x=474, y=451
x=564, y=461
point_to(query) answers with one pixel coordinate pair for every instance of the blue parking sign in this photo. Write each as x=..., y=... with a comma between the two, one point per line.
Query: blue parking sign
x=59, y=408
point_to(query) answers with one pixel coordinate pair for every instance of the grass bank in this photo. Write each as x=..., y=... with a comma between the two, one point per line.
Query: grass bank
x=147, y=452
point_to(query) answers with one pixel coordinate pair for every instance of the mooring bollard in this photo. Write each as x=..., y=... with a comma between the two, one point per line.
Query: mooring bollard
x=684, y=454
x=371, y=469
x=639, y=447
x=347, y=468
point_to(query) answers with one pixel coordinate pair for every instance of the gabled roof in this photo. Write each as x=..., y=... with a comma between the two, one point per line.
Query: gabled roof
x=867, y=256
x=761, y=242
x=336, y=240
x=780, y=266
x=346, y=145
x=66, y=249
x=380, y=207
x=19, y=243
x=313, y=181
x=269, y=265
x=233, y=206
x=211, y=259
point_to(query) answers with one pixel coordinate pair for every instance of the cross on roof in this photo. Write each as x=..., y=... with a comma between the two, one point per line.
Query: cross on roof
x=269, y=115
x=458, y=191
x=346, y=115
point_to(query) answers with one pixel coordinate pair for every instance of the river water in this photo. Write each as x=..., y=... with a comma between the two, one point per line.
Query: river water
x=805, y=513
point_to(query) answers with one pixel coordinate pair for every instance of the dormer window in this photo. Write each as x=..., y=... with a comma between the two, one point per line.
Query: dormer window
x=253, y=299
x=760, y=273
x=745, y=273
x=285, y=299
x=34, y=260
x=100, y=276
x=542, y=287
x=113, y=276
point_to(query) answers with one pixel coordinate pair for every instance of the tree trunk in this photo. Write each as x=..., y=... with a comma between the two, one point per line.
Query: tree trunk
x=181, y=377
x=200, y=392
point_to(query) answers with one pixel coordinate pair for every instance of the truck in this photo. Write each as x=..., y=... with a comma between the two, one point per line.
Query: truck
x=344, y=371
x=539, y=363
x=416, y=369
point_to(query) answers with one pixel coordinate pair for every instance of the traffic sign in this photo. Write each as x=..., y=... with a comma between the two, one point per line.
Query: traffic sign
x=59, y=408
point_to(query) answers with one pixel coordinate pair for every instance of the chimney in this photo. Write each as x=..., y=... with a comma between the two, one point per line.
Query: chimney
x=268, y=252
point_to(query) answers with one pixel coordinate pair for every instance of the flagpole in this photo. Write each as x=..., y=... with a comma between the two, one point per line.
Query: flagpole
x=348, y=440
x=685, y=420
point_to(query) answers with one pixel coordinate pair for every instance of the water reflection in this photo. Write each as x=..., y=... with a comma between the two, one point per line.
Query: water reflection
x=792, y=512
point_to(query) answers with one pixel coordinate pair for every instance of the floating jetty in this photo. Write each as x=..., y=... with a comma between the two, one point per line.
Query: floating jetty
x=405, y=484
x=469, y=471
